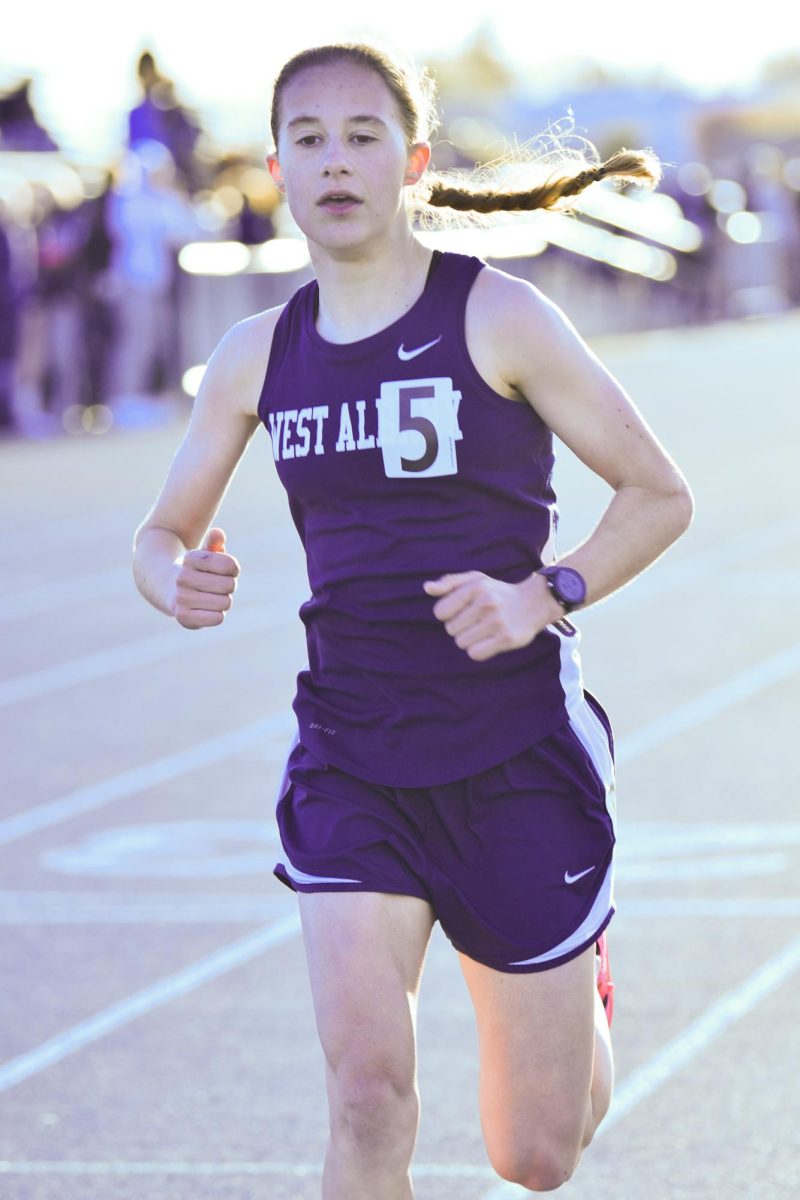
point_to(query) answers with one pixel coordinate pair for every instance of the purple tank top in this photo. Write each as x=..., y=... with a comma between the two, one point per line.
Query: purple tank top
x=401, y=464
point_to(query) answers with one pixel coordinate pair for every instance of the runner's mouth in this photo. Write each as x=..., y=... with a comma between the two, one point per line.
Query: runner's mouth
x=338, y=201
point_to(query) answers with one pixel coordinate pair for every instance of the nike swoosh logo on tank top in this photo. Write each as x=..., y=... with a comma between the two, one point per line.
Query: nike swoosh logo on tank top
x=405, y=355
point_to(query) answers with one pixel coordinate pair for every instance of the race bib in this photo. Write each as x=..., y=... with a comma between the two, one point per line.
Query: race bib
x=418, y=427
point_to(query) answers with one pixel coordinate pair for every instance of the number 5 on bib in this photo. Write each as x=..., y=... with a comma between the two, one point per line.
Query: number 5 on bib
x=418, y=427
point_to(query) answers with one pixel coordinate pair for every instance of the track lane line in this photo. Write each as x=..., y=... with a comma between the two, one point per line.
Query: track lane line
x=46, y=597
x=686, y=716
x=212, y=966
x=34, y=601
x=288, y=1170
x=255, y=618
x=669, y=573
x=716, y=700
x=734, y=1004
x=682, y=572
x=160, y=770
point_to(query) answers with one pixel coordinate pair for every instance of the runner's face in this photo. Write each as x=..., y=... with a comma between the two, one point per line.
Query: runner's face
x=342, y=156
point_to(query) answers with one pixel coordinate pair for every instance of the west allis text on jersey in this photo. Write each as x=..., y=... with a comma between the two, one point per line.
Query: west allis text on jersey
x=413, y=422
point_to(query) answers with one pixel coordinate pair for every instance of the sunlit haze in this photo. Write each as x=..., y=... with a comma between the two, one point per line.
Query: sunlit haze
x=223, y=59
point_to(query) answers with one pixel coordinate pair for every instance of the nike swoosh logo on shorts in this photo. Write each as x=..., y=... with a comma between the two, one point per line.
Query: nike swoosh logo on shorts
x=407, y=354
x=574, y=878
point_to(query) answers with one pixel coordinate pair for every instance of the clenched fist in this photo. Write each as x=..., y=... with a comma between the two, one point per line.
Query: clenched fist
x=485, y=616
x=205, y=583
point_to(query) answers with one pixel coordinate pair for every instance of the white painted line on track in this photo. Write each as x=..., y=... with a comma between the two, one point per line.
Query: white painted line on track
x=161, y=770
x=641, y=1083
x=730, y=1007
x=710, y=704
x=686, y=716
x=670, y=839
x=58, y=593
x=75, y=528
x=146, y=908
x=731, y=908
x=180, y=908
x=289, y=1170
x=695, y=1038
x=709, y=866
x=683, y=571
x=673, y=1057
x=745, y=551
x=16, y=1070
x=33, y=601
x=255, y=618
x=171, y=908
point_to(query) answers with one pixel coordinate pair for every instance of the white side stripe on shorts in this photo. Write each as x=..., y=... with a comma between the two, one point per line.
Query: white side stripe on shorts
x=570, y=672
x=590, y=731
x=590, y=924
x=302, y=877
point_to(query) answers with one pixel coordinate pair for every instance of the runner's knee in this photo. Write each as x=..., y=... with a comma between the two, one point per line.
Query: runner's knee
x=374, y=1100
x=538, y=1168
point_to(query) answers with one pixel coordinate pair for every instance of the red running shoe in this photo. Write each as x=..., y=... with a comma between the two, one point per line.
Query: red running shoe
x=605, y=984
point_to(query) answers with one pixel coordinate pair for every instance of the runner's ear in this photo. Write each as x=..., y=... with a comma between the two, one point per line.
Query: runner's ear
x=274, y=168
x=418, y=158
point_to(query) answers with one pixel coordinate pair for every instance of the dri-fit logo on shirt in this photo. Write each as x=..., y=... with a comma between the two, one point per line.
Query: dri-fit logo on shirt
x=414, y=424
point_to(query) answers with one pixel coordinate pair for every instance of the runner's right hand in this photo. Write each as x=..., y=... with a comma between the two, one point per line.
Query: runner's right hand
x=205, y=583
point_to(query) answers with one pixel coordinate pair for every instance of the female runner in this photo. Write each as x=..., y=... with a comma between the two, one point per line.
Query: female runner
x=448, y=762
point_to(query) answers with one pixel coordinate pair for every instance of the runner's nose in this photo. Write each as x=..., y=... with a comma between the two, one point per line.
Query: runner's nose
x=335, y=159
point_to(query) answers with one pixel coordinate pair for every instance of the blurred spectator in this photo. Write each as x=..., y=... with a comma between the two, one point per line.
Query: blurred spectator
x=161, y=118
x=248, y=195
x=90, y=288
x=9, y=326
x=19, y=128
x=698, y=280
x=61, y=327
x=98, y=311
x=254, y=226
x=148, y=221
x=62, y=236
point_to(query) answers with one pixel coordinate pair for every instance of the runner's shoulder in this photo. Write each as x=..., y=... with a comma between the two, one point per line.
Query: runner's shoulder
x=241, y=356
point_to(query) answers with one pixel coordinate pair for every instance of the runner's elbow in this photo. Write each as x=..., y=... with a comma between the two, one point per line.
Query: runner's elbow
x=682, y=502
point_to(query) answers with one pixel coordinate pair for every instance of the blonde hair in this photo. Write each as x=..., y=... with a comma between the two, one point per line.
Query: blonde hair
x=553, y=172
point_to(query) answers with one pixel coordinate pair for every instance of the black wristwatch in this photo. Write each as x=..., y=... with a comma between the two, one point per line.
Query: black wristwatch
x=567, y=585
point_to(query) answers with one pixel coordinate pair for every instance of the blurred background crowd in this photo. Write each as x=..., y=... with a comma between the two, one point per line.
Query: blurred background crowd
x=117, y=279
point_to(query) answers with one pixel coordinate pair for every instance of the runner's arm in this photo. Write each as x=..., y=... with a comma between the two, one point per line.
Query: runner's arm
x=548, y=363
x=223, y=420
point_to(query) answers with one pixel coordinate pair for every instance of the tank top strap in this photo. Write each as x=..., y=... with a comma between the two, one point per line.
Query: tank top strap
x=440, y=316
x=447, y=290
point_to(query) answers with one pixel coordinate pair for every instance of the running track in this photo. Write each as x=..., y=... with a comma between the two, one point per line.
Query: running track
x=158, y=1037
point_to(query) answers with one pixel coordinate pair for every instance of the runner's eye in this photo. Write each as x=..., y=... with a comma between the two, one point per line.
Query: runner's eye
x=363, y=138
x=308, y=139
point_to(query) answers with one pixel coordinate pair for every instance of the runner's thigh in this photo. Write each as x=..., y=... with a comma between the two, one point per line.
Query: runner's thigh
x=365, y=953
x=536, y=1037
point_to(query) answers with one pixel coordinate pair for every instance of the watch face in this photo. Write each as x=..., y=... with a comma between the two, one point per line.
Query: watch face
x=569, y=585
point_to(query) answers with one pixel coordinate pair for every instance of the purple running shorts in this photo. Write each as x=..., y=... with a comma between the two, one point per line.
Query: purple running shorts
x=517, y=861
